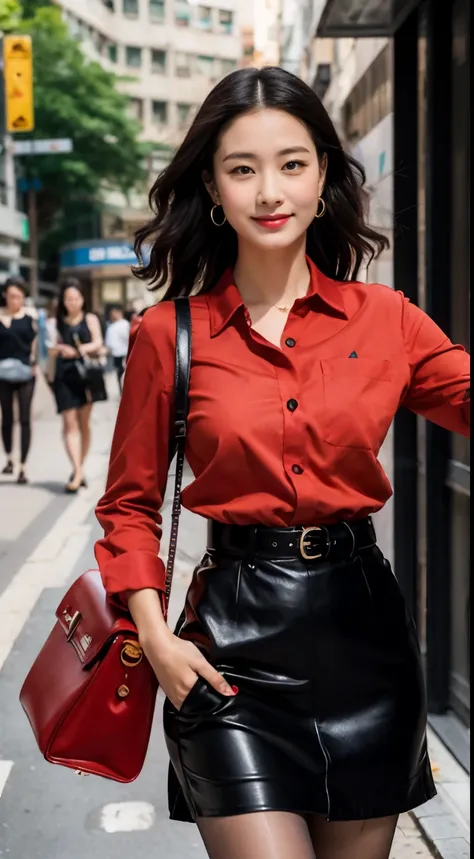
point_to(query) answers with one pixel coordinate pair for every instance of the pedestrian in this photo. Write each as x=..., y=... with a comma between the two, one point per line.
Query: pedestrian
x=116, y=340
x=51, y=339
x=295, y=709
x=77, y=346
x=18, y=366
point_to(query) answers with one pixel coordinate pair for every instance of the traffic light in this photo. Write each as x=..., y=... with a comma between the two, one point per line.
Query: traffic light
x=18, y=73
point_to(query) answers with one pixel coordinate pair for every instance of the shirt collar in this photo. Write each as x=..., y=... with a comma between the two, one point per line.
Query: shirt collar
x=224, y=300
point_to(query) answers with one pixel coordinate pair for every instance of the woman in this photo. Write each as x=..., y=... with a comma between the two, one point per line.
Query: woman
x=51, y=339
x=295, y=712
x=78, y=334
x=18, y=341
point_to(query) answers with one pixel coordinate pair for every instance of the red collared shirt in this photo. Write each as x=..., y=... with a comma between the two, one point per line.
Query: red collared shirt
x=281, y=437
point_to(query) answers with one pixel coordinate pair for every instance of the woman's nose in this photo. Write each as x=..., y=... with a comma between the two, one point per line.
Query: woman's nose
x=269, y=193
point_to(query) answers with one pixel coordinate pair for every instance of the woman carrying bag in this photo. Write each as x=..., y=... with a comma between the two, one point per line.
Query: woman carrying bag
x=77, y=347
x=18, y=366
x=295, y=713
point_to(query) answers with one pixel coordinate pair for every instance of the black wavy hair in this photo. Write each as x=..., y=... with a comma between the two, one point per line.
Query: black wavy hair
x=185, y=249
x=13, y=280
x=61, y=311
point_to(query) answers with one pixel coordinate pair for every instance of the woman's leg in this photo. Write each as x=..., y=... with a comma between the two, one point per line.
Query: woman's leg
x=85, y=430
x=25, y=399
x=260, y=835
x=72, y=442
x=357, y=839
x=6, y=403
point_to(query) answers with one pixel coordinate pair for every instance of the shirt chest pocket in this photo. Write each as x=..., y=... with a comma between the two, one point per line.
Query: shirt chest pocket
x=359, y=402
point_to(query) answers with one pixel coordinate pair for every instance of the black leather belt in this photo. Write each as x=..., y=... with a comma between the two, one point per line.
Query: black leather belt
x=312, y=543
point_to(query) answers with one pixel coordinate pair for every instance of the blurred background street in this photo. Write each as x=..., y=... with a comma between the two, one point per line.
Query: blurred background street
x=95, y=97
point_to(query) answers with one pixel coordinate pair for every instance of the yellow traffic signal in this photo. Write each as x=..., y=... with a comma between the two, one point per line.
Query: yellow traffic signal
x=18, y=72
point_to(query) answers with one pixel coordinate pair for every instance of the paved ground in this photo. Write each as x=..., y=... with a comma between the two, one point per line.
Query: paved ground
x=46, y=540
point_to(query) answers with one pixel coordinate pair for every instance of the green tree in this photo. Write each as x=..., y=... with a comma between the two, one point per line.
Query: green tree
x=77, y=99
x=10, y=15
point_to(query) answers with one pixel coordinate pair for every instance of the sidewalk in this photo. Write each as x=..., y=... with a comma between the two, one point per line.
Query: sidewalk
x=46, y=540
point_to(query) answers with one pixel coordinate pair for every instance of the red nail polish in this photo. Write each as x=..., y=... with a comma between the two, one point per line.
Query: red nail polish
x=235, y=689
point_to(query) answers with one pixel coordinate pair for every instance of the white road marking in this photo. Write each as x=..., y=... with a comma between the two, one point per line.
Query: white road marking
x=127, y=817
x=5, y=769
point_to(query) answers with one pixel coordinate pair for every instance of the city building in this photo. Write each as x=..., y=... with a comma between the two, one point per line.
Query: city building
x=416, y=82
x=266, y=33
x=168, y=54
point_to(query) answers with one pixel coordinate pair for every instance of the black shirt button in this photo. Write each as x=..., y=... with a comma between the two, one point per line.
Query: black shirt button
x=292, y=405
x=296, y=469
x=290, y=342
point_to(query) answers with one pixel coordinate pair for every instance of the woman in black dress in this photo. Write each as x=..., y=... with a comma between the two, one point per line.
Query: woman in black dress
x=295, y=713
x=78, y=334
x=18, y=340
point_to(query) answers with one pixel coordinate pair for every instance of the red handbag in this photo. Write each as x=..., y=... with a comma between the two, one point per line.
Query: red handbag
x=90, y=694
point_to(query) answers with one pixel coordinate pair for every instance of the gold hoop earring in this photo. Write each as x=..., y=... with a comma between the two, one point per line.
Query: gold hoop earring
x=217, y=223
x=323, y=210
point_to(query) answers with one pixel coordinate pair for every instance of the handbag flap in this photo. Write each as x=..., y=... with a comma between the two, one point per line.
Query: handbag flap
x=89, y=620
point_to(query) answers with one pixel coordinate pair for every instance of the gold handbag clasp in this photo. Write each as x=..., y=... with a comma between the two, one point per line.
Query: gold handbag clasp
x=131, y=654
x=72, y=621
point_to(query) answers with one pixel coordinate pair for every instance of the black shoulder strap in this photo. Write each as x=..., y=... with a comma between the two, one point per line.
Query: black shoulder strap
x=181, y=405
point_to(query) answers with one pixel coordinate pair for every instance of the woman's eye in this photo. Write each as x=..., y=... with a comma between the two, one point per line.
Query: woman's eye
x=293, y=165
x=242, y=171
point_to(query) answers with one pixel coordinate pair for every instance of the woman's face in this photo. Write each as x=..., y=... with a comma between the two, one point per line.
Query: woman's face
x=267, y=178
x=14, y=299
x=73, y=301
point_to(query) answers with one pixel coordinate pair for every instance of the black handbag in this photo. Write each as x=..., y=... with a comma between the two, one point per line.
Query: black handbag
x=89, y=369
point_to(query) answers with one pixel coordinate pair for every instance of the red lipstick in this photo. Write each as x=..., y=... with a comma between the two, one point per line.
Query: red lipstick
x=272, y=222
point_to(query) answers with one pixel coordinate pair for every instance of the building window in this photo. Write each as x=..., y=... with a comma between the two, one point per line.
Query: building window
x=183, y=65
x=156, y=10
x=100, y=44
x=160, y=112
x=136, y=108
x=370, y=100
x=205, y=66
x=228, y=66
x=158, y=62
x=112, y=52
x=133, y=57
x=130, y=8
x=204, y=18
x=184, y=114
x=182, y=13
x=226, y=21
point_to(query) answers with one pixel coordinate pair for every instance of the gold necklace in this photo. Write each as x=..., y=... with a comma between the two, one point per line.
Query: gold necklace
x=285, y=308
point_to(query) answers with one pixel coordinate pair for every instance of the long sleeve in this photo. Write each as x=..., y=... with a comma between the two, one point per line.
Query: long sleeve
x=440, y=381
x=129, y=511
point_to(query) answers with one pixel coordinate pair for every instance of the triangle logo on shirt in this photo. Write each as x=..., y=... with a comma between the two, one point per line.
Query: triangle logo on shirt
x=353, y=355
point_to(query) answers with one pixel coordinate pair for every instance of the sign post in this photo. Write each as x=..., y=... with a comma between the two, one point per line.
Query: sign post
x=27, y=148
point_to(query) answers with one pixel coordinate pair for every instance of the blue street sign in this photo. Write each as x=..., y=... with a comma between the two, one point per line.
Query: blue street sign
x=97, y=253
x=25, y=185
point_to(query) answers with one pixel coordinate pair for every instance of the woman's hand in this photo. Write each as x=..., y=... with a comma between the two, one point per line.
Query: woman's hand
x=178, y=664
x=67, y=351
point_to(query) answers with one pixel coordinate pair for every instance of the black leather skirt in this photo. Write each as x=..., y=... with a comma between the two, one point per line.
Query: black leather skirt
x=330, y=716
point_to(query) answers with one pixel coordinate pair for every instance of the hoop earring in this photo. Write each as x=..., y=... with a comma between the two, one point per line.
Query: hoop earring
x=217, y=223
x=323, y=210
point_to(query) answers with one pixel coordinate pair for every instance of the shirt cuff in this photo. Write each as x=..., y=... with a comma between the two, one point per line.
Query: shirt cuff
x=133, y=571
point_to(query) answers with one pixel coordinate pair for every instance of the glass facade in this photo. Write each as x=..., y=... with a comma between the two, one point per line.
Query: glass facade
x=459, y=465
x=443, y=594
